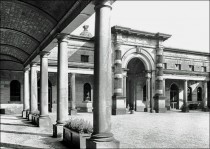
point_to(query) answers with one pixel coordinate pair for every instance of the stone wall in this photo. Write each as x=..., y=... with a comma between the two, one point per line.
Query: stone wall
x=5, y=79
x=186, y=61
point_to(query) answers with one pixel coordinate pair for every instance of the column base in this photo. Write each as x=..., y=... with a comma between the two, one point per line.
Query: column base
x=92, y=144
x=152, y=111
x=147, y=109
x=185, y=108
x=159, y=104
x=27, y=113
x=120, y=111
x=72, y=111
x=30, y=116
x=118, y=107
x=24, y=113
x=57, y=130
x=205, y=109
x=44, y=121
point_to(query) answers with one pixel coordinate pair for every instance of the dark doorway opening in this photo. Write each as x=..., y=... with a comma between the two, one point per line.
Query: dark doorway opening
x=174, y=96
x=15, y=90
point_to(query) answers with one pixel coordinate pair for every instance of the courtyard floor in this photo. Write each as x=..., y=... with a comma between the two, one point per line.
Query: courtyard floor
x=173, y=129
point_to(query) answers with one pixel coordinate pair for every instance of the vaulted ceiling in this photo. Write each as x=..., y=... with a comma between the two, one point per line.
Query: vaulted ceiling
x=27, y=26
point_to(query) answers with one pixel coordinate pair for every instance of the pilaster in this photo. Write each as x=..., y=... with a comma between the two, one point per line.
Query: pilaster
x=118, y=101
x=159, y=99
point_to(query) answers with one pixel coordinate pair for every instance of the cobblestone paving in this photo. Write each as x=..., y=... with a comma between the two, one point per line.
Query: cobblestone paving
x=139, y=130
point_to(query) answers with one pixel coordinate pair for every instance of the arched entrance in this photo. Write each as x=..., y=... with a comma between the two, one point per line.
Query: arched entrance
x=174, y=96
x=49, y=95
x=87, y=92
x=135, y=85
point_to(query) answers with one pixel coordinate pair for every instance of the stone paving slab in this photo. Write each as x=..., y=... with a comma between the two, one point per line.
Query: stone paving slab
x=138, y=130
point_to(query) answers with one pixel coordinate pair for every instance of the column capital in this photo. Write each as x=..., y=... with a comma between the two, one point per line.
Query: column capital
x=44, y=53
x=26, y=69
x=148, y=75
x=62, y=37
x=72, y=73
x=117, y=42
x=33, y=64
x=103, y=3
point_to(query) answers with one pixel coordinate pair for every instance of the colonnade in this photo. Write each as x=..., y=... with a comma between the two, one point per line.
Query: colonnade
x=185, y=107
x=102, y=136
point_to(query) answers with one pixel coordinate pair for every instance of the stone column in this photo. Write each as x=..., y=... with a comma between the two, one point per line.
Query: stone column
x=26, y=92
x=102, y=136
x=73, y=109
x=148, y=77
x=205, y=98
x=159, y=105
x=44, y=119
x=164, y=87
x=62, y=85
x=185, y=105
x=152, y=91
x=118, y=101
x=33, y=91
x=124, y=83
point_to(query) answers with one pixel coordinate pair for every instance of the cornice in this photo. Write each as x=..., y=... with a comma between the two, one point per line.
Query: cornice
x=129, y=31
x=178, y=50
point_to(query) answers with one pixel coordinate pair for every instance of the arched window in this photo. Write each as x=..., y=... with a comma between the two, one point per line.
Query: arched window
x=189, y=94
x=87, y=92
x=144, y=93
x=199, y=94
x=15, y=90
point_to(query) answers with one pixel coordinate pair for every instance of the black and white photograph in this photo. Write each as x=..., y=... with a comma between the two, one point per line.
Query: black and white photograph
x=95, y=74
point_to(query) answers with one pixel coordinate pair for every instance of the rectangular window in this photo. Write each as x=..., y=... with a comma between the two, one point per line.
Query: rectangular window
x=203, y=68
x=164, y=65
x=178, y=66
x=84, y=58
x=191, y=67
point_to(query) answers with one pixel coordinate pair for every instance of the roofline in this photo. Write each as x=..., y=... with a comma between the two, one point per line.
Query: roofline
x=172, y=49
x=121, y=29
x=80, y=37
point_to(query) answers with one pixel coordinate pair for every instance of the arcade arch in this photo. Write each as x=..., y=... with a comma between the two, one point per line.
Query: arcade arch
x=138, y=66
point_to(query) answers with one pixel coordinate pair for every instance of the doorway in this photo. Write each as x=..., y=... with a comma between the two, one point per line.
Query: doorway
x=134, y=85
x=174, y=96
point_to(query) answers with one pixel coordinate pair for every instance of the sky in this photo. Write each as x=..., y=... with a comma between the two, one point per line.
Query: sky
x=186, y=21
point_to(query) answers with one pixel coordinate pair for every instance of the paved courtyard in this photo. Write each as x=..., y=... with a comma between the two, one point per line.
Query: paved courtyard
x=139, y=130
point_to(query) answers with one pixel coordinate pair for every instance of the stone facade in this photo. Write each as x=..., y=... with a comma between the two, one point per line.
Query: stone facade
x=138, y=70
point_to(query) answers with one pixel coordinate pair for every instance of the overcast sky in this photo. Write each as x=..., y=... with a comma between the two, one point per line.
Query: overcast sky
x=186, y=21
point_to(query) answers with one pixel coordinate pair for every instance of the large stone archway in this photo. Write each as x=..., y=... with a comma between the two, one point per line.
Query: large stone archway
x=139, y=68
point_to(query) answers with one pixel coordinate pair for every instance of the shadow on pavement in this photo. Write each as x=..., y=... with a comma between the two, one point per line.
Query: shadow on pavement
x=29, y=133
x=28, y=125
x=16, y=146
